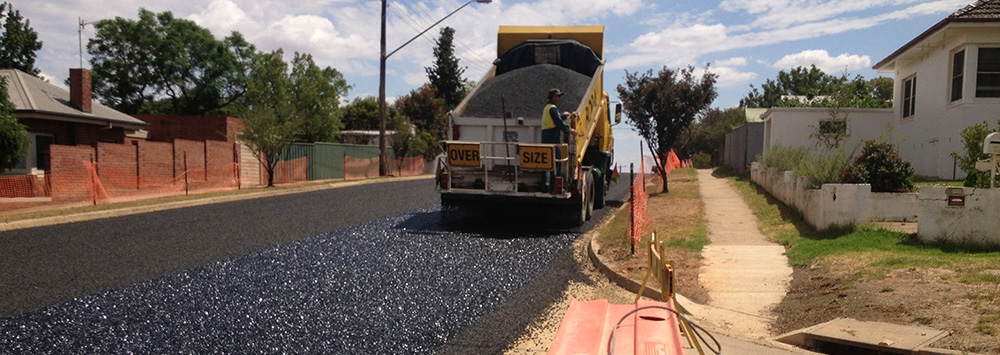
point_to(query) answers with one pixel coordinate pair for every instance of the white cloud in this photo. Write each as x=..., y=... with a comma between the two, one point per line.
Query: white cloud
x=732, y=62
x=730, y=77
x=822, y=60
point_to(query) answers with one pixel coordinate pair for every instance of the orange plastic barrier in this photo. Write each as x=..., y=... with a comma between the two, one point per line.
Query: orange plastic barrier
x=638, y=205
x=588, y=326
x=366, y=168
x=295, y=170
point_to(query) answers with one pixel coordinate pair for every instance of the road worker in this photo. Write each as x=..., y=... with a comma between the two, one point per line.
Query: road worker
x=552, y=126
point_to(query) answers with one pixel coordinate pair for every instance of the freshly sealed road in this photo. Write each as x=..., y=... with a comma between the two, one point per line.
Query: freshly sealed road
x=364, y=269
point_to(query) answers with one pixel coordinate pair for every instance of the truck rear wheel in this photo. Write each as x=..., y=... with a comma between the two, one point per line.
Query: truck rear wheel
x=589, y=202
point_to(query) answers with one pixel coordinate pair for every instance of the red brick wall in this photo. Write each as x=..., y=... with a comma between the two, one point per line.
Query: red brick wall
x=198, y=128
x=116, y=165
x=156, y=163
x=220, y=160
x=195, y=158
x=71, y=179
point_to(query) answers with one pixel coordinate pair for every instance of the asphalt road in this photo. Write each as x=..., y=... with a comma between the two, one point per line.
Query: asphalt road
x=364, y=269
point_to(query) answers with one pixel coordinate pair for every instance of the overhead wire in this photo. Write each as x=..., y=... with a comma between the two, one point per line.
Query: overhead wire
x=477, y=62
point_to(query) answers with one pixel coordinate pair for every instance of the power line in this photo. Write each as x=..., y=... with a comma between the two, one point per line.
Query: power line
x=474, y=64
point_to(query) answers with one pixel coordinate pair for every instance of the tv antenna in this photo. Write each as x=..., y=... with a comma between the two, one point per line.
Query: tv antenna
x=80, y=33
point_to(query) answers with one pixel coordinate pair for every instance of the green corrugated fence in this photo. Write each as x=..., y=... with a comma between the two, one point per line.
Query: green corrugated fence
x=326, y=160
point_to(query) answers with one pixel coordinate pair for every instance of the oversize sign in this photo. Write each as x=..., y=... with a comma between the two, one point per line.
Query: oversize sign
x=463, y=154
x=536, y=157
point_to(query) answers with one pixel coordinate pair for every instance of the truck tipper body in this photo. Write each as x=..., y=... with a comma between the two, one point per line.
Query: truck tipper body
x=494, y=157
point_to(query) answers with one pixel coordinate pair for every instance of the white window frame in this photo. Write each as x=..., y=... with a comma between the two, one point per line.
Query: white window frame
x=976, y=88
x=960, y=86
x=30, y=160
x=909, y=102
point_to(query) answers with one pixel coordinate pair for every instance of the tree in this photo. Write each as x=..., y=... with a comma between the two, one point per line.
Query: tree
x=14, y=138
x=709, y=132
x=268, y=112
x=661, y=106
x=316, y=97
x=972, y=145
x=819, y=89
x=446, y=74
x=362, y=115
x=427, y=114
x=160, y=64
x=18, y=41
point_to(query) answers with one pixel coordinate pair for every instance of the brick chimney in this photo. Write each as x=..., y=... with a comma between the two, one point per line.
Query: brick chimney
x=79, y=89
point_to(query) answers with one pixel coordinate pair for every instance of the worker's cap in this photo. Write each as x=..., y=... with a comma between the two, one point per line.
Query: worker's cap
x=555, y=92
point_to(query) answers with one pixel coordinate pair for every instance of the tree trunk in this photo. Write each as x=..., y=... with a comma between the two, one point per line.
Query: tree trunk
x=663, y=176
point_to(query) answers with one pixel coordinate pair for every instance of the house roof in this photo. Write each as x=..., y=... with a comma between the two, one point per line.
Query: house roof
x=33, y=95
x=979, y=11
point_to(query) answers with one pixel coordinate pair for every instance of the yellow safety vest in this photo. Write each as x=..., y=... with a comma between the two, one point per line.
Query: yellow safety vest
x=547, y=121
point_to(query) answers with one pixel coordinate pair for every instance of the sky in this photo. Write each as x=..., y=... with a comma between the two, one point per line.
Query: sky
x=743, y=41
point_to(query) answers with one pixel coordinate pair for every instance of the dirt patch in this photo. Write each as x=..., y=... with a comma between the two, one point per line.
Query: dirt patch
x=936, y=298
x=673, y=216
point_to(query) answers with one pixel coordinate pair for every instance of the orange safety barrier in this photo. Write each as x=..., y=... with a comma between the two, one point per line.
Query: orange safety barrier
x=367, y=168
x=295, y=170
x=638, y=205
x=646, y=327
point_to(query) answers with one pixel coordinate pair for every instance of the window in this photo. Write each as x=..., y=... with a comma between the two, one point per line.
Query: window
x=988, y=73
x=909, y=96
x=957, y=71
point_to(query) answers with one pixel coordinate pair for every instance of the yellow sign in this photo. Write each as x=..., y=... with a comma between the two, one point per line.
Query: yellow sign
x=536, y=157
x=463, y=154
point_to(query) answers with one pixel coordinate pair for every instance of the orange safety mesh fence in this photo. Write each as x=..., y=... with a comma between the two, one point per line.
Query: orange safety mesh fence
x=295, y=170
x=360, y=168
x=24, y=186
x=638, y=206
x=355, y=168
x=109, y=184
x=409, y=166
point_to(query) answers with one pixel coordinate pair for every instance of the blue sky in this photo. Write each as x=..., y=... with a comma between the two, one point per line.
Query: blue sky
x=745, y=41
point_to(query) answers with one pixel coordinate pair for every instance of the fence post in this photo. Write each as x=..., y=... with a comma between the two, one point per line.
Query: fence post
x=137, y=165
x=239, y=163
x=185, y=172
x=631, y=205
x=93, y=178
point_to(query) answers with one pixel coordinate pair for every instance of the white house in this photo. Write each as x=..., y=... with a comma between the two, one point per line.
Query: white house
x=946, y=79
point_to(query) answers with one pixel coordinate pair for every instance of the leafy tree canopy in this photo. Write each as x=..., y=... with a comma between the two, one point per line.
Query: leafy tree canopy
x=446, y=74
x=819, y=89
x=160, y=64
x=268, y=113
x=428, y=117
x=661, y=106
x=18, y=41
x=708, y=133
x=14, y=138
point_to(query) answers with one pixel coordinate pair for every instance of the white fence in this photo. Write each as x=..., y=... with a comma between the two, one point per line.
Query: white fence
x=835, y=204
x=963, y=215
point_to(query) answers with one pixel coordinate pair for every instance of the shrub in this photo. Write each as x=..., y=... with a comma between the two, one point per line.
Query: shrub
x=823, y=168
x=880, y=165
x=702, y=161
x=782, y=158
x=972, y=142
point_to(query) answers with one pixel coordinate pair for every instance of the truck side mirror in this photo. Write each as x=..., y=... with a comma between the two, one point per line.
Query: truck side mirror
x=618, y=112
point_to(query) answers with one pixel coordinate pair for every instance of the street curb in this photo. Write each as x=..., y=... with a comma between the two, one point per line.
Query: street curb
x=624, y=282
x=126, y=211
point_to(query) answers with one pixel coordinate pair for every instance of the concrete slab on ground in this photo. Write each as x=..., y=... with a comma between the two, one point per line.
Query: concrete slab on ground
x=879, y=336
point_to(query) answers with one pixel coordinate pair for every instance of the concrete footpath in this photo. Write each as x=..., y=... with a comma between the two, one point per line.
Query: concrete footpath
x=745, y=274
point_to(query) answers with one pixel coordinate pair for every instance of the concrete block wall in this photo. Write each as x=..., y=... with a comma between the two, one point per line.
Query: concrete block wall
x=835, y=204
x=977, y=222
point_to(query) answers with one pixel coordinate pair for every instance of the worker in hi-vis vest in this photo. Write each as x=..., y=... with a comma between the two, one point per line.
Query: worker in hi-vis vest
x=552, y=126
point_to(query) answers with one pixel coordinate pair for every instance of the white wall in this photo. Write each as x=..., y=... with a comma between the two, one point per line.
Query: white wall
x=934, y=131
x=791, y=126
x=977, y=223
x=835, y=204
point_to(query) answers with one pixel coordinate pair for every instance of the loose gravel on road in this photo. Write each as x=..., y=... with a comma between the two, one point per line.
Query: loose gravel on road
x=398, y=285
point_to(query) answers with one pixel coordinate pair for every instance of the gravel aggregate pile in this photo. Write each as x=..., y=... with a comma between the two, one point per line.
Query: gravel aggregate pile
x=397, y=285
x=525, y=92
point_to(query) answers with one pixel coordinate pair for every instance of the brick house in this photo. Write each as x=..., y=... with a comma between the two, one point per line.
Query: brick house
x=166, y=128
x=56, y=116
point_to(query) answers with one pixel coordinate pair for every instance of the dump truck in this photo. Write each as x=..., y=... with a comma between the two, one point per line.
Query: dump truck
x=493, y=158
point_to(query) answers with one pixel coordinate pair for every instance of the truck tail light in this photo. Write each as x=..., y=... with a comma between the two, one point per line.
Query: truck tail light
x=444, y=180
x=558, y=185
x=454, y=133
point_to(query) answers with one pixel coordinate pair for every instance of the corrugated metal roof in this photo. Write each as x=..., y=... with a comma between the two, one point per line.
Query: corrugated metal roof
x=31, y=94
